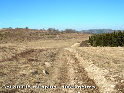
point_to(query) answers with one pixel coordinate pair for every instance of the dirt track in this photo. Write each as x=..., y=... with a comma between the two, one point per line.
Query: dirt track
x=68, y=71
x=64, y=70
x=53, y=67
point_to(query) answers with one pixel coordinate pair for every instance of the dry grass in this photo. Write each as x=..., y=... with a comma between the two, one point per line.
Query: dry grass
x=110, y=60
x=25, y=58
x=23, y=36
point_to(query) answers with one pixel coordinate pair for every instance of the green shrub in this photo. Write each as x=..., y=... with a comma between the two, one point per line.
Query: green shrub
x=114, y=39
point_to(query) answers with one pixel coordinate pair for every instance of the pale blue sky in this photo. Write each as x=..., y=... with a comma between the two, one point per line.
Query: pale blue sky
x=61, y=14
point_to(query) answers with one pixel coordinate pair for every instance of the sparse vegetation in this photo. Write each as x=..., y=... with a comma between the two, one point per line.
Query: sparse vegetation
x=20, y=35
x=27, y=54
x=70, y=31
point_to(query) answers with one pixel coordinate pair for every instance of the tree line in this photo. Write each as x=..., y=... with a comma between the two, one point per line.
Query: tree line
x=114, y=39
x=49, y=30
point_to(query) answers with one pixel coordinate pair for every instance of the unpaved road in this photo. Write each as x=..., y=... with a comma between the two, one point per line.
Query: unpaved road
x=68, y=71
x=54, y=67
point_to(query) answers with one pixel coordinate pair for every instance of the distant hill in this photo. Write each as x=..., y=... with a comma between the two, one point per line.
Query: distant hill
x=97, y=31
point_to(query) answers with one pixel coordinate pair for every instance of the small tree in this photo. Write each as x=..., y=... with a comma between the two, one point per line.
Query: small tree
x=26, y=28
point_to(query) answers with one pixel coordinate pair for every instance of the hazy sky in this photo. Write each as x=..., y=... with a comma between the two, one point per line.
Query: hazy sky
x=61, y=14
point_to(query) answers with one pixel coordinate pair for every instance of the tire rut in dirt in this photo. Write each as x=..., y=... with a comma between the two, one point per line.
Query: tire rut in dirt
x=82, y=79
x=27, y=68
x=67, y=71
